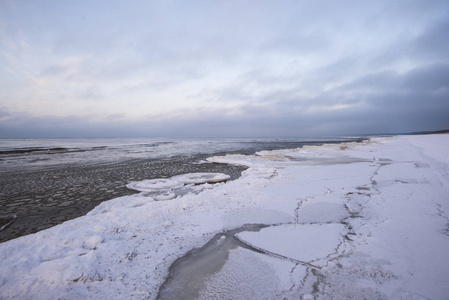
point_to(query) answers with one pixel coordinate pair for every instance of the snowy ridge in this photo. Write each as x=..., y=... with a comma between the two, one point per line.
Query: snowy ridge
x=366, y=220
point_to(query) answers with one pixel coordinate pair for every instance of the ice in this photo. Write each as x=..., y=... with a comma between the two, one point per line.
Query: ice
x=154, y=185
x=188, y=275
x=170, y=188
x=303, y=243
x=245, y=276
x=165, y=196
x=350, y=221
x=327, y=209
x=200, y=178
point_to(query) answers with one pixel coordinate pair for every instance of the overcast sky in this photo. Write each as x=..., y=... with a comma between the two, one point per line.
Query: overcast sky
x=222, y=68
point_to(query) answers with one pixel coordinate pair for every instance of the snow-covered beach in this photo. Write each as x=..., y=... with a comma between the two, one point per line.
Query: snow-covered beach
x=353, y=220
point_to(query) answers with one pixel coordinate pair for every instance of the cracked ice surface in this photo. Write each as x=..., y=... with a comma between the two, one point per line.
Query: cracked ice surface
x=370, y=219
x=305, y=243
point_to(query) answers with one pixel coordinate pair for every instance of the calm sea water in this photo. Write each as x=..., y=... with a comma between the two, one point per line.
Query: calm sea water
x=41, y=153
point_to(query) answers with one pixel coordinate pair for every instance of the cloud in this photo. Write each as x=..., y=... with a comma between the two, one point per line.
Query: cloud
x=383, y=102
x=434, y=42
x=231, y=68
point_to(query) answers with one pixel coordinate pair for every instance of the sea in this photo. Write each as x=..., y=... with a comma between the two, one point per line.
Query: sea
x=45, y=182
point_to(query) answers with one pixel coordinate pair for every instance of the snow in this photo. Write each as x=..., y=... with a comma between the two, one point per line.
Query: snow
x=353, y=220
x=326, y=209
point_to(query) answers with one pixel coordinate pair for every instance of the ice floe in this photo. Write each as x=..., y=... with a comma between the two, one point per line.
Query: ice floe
x=170, y=188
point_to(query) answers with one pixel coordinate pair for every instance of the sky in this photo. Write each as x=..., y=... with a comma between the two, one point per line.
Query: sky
x=295, y=68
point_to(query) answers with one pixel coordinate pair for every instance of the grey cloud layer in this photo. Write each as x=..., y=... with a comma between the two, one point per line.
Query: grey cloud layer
x=257, y=67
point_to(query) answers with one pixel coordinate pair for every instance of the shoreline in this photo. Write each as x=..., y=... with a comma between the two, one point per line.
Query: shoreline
x=370, y=219
x=39, y=197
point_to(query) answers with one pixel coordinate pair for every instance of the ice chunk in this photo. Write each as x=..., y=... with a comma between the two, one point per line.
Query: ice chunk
x=170, y=188
x=165, y=196
x=155, y=185
x=200, y=178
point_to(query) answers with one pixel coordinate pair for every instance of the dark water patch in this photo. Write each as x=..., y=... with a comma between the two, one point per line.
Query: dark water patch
x=33, y=150
x=30, y=153
x=38, y=159
x=154, y=144
x=44, y=197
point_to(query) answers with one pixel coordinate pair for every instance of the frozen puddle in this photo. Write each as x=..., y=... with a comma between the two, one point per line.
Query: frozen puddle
x=189, y=273
x=226, y=262
x=170, y=188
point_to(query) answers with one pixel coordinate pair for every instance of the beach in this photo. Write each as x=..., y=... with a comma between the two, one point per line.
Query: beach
x=45, y=182
x=335, y=221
